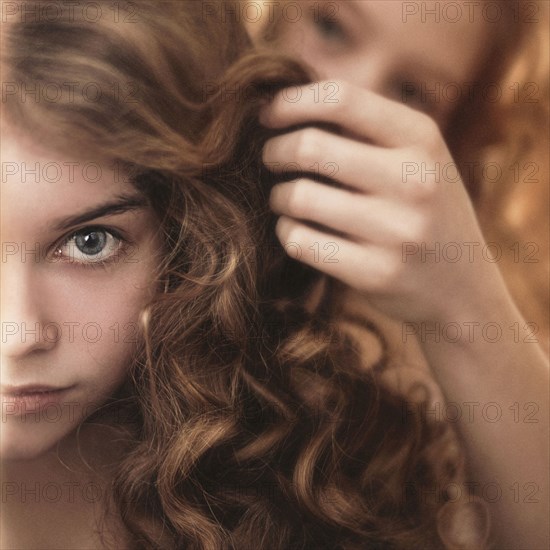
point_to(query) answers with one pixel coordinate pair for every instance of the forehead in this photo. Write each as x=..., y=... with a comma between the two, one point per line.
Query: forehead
x=26, y=159
x=451, y=35
x=38, y=184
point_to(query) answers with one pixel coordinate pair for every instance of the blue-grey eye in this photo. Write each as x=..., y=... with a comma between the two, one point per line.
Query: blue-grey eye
x=90, y=245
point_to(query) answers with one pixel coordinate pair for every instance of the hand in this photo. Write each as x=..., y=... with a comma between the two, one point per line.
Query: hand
x=380, y=223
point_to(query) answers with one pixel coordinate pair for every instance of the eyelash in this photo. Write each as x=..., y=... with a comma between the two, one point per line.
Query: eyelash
x=122, y=247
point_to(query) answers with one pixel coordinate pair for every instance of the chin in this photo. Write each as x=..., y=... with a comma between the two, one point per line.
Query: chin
x=19, y=453
x=20, y=441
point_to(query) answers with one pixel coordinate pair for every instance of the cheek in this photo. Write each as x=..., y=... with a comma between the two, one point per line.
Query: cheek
x=99, y=316
x=95, y=317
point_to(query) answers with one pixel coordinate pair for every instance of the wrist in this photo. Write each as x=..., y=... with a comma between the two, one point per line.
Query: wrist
x=482, y=295
x=473, y=325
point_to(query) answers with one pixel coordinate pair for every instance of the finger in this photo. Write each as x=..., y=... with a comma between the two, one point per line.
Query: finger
x=364, y=167
x=361, y=112
x=360, y=265
x=361, y=217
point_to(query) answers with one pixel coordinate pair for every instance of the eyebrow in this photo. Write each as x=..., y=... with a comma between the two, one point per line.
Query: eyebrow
x=122, y=204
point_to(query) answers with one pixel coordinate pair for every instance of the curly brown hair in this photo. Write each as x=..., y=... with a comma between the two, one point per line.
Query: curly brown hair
x=253, y=420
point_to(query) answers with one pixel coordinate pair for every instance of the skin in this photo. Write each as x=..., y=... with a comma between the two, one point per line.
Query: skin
x=363, y=58
x=381, y=46
x=48, y=291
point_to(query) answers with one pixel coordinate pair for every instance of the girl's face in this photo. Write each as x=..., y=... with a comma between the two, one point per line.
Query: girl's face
x=422, y=53
x=78, y=257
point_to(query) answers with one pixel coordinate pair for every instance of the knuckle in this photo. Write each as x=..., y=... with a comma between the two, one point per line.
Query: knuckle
x=417, y=229
x=424, y=190
x=391, y=271
x=343, y=92
x=421, y=187
x=386, y=276
x=428, y=132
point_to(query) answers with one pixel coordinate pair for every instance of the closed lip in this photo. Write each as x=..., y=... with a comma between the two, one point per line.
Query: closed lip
x=30, y=388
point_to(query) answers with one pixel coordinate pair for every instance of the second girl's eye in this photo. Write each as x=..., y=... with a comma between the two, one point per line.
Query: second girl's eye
x=90, y=245
x=330, y=28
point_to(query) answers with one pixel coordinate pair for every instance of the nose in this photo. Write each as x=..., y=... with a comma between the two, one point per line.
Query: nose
x=25, y=325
